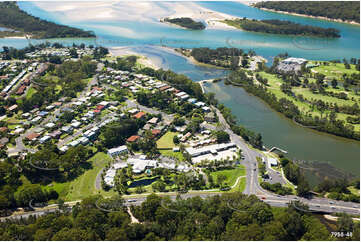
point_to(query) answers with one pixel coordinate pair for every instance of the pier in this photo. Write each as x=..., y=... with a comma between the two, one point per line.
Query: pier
x=276, y=148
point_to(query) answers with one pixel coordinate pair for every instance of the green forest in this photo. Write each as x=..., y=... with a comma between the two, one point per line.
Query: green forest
x=345, y=10
x=186, y=23
x=14, y=18
x=275, y=26
x=231, y=216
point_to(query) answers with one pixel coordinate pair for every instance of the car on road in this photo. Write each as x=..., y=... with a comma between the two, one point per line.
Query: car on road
x=317, y=205
x=331, y=202
x=132, y=200
x=332, y=207
x=263, y=198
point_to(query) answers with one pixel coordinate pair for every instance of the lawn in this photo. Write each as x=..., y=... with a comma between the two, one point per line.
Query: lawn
x=166, y=141
x=334, y=70
x=353, y=190
x=231, y=174
x=84, y=185
x=178, y=155
x=30, y=92
x=274, y=87
x=240, y=186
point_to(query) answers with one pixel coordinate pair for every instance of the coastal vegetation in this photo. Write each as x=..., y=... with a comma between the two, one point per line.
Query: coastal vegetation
x=73, y=174
x=231, y=216
x=275, y=26
x=17, y=188
x=276, y=188
x=296, y=111
x=340, y=189
x=344, y=10
x=323, y=95
x=221, y=57
x=18, y=21
x=186, y=23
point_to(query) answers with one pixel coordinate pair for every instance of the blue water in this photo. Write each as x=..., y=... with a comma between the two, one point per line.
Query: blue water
x=254, y=114
x=155, y=33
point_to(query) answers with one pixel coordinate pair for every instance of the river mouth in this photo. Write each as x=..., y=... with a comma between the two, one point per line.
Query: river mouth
x=251, y=112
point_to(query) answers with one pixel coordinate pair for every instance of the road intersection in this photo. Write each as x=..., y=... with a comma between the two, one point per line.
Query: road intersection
x=252, y=180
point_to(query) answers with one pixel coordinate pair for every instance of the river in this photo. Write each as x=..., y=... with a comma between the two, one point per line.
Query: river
x=145, y=36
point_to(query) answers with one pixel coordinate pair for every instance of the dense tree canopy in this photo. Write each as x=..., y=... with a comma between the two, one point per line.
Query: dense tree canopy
x=186, y=23
x=14, y=18
x=345, y=10
x=275, y=26
x=228, y=217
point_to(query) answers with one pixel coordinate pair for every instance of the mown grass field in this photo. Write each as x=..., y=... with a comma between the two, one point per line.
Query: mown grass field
x=166, y=141
x=240, y=186
x=84, y=185
x=231, y=174
x=334, y=70
x=274, y=86
x=178, y=155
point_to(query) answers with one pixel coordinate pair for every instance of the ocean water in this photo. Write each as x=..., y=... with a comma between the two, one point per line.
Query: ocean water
x=144, y=34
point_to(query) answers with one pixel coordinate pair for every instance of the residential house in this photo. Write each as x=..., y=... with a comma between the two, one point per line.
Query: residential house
x=32, y=136
x=133, y=138
x=118, y=150
x=44, y=139
x=153, y=121
x=139, y=115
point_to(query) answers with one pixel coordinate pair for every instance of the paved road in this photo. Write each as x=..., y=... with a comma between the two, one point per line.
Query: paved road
x=252, y=183
x=315, y=205
x=133, y=104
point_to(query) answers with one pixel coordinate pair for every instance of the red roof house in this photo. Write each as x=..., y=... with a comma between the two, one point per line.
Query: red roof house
x=139, y=115
x=133, y=138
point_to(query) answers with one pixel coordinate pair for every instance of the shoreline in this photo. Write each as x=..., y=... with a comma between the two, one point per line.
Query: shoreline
x=308, y=16
x=124, y=51
x=283, y=116
x=190, y=58
x=211, y=19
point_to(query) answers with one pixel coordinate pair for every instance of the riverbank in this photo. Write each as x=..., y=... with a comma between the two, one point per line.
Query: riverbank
x=306, y=121
x=125, y=51
x=190, y=58
x=307, y=16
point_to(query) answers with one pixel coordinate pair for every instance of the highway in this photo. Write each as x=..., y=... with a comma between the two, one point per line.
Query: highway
x=252, y=183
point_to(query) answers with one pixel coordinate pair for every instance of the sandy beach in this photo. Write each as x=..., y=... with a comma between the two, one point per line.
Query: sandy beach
x=15, y=37
x=210, y=18
x=250, y=3
x=126, y=51
x=134, y=11
x=310, y=16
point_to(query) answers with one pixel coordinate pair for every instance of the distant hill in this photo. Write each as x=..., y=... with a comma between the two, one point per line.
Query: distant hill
x=14, y=18
x=345, y=10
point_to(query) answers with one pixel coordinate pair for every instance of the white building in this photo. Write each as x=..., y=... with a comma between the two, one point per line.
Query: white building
x=117, y=151
x=44, y=139
x=212, y=152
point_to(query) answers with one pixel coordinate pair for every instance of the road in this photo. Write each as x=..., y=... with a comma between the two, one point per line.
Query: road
x=252, y=183
x=133, y=104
